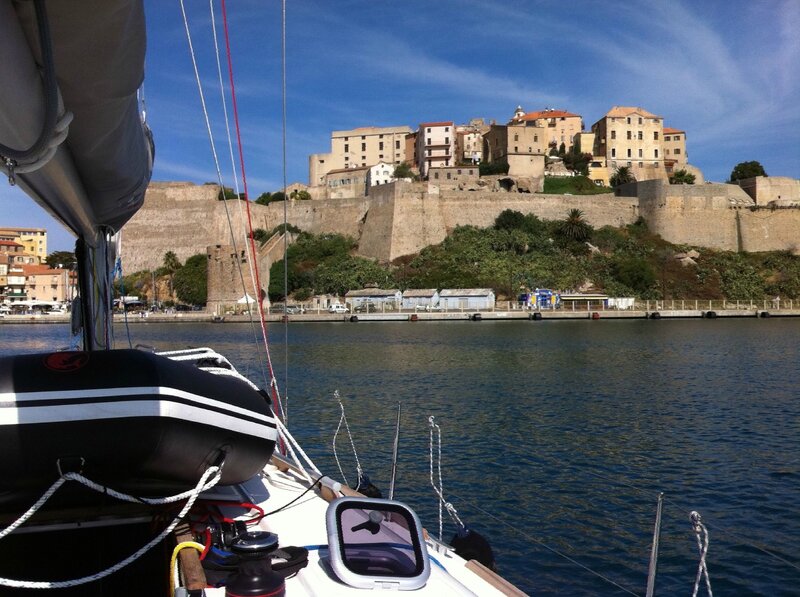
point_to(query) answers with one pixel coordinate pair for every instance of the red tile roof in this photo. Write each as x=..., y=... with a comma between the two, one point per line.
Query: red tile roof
x=548, y=114
x=39, y=270
x=672, y=131
x=436, y=124
x=9, y=243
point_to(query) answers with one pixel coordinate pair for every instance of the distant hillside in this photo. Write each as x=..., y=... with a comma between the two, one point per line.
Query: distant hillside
x=523, y=251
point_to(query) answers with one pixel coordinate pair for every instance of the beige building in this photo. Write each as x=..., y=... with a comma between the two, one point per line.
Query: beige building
x=558, y=126
x=455, y=177
x=34, y=240
x=632, y=137
x=521, y=146
x=358, y=148
x=45, y=284
x=675, y=148
x=469, y=141
x=346, y=183
x=436, y=145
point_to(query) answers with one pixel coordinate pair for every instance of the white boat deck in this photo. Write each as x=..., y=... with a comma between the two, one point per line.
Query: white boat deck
x=302, y=524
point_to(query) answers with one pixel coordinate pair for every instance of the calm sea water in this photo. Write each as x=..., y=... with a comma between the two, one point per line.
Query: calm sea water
x=556, y=435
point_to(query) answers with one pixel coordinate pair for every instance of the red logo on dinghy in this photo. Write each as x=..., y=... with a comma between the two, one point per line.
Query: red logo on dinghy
x=65, y=362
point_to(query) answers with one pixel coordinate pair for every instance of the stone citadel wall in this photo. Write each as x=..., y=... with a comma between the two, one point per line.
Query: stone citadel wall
x=402, y=218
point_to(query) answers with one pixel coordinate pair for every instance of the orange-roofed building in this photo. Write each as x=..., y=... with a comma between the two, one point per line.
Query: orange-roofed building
x=45, y=284
x=631, y=137
x=675, y=146
x=558, y=126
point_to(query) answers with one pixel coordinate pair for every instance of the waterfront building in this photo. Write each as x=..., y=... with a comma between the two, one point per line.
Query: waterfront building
x=374, y=299
x=45, y=284
x=467, y=298
x=557, y=126
x=422, y=298
x=358, y=148
x=469, y=141
x=34, y=240
x=435, y=145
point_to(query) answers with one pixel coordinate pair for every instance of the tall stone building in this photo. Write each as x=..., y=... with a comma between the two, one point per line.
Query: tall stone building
x=436, y=144
x=359, y=148
x=557, y=126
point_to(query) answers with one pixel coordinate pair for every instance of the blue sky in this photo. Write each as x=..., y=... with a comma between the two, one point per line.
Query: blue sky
x=724, y=71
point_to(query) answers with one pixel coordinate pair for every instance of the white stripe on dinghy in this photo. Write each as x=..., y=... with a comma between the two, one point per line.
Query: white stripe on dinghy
x=134, y=408
x=12, y=397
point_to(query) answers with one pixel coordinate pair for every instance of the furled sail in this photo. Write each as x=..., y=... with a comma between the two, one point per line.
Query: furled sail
x=99, y=174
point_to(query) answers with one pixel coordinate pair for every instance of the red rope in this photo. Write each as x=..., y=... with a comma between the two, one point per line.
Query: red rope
x=247, y=204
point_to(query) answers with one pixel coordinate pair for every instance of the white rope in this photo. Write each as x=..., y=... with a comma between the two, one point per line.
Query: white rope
x=251, y=257
x=451, y=510
x=292, y=445
x=702, y=545
x=209, y=479
x=343, y=419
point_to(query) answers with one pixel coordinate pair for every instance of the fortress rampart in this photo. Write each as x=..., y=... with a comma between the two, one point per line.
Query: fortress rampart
x=402, y=218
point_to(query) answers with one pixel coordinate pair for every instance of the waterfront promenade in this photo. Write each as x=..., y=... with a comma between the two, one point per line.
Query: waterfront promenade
x=503, y=311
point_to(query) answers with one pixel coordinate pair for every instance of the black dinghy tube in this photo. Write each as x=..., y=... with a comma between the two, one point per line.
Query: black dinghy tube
x=137, y=422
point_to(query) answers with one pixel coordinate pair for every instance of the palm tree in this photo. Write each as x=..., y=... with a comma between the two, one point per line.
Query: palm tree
x=681, y=177
x=574, y=227
x=622, y=175
x=171, y=264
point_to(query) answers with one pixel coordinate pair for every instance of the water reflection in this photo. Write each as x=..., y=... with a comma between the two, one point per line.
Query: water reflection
x=565, y=431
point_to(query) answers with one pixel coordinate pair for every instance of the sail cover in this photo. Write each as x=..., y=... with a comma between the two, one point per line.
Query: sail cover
x=99, y=174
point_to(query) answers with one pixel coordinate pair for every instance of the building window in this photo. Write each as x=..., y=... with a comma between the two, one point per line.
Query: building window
x=448, y=176
x=429, y=129
x=666, y=151
x=380, y=157
x=428, y=141
x=447, y=140
x=641, y=164
x=346, y=148
x=655, y=135
x=629, y=152
x=380, y=145
x=447, y=129
x=629, y=135
x=436, y=175
x=470, y=171
x=655, y=164
x=677, y=137
x=640, y=135
x=363, y=137
x=380, y=136
x=516, y=149
x=677, y=152
x=656, y=152
x=629, y=119
x=429, y=152
x=516, y=137
x=613, y=134
x=363, y=147
x=459, y=172
x=536, y=138
x=613, y=152
x=667, y=138
x=397, y=144
x=346, y=158
x=629, y=164
x=640, y=153
x=346, y=138
x=640, y=120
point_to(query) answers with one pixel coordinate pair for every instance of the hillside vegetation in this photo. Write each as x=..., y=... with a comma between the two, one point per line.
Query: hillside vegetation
x=522, y=251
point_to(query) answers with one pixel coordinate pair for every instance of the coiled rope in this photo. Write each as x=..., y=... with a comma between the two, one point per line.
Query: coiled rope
x=209, y=479
x=701, y=534
x=451, y=510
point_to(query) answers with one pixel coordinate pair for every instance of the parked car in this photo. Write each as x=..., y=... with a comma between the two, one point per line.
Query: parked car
x=278, y=308
x=366, y=307
x=338, y=308
x=292, y=309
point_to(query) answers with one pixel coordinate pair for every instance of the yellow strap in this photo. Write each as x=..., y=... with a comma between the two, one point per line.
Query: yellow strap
x=174, y=561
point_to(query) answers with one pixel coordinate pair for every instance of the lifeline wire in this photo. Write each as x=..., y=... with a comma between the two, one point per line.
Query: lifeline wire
x=451, y=510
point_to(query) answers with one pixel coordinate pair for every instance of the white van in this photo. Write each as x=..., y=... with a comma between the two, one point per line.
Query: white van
x=338, y=308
